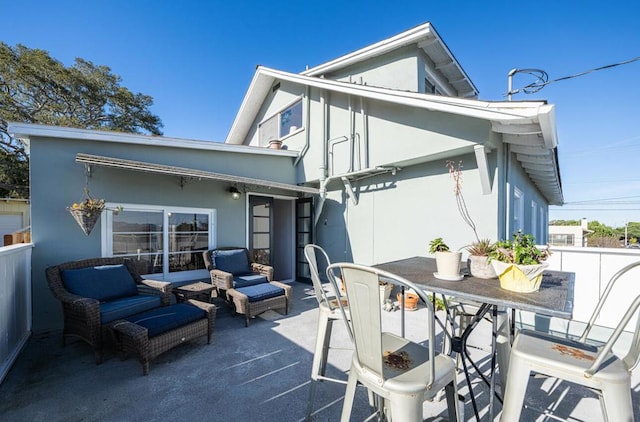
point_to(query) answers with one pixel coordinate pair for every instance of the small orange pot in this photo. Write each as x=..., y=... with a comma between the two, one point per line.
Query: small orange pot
x=410, y=301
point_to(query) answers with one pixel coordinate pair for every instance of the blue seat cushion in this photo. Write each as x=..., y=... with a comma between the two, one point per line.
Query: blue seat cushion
x=126, y=306
x=102, y=283
x=263, y=291
x=161, y=320
x=246, y=280
x=232, y=261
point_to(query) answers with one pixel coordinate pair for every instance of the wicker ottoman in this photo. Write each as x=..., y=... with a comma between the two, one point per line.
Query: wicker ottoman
x=151, y=333
x=254, y=300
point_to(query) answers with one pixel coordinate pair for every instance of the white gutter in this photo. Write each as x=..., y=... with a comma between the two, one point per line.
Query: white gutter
x=501, y=112
x=26, y=131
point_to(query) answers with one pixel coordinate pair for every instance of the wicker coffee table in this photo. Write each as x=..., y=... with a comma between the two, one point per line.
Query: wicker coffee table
x=199, y=290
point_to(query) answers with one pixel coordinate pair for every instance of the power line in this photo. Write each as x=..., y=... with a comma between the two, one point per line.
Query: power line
x=542, y=81
x=601, y=201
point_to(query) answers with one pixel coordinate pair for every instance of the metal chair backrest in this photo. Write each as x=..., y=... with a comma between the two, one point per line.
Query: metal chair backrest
x=361, y=285
x=632, y=357
x=603, y=298
x=316, y=256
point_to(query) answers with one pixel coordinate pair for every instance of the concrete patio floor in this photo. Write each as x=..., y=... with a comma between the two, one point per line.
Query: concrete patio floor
x=260, y=373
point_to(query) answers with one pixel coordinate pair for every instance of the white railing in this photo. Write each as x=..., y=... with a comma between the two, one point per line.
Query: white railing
x=593, y=268
x=15, y=302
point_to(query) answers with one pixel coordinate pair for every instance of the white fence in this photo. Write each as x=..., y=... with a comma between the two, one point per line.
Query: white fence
x=15, y=302
x=593, y=268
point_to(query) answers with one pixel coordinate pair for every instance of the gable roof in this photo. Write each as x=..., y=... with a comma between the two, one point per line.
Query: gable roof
x=427, y=38
x=529, y=126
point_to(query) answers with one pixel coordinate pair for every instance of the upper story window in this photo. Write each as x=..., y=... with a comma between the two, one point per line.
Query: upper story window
x=281, y=124
x=430, y=87
x=163, y=241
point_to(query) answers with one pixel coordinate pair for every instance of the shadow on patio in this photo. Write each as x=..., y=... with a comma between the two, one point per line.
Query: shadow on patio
x=256, y=373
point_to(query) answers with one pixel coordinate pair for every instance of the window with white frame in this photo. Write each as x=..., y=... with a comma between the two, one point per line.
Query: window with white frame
x=281, y=124
x=534, y=220
x=163, y=241
x=518, y=210
x=558, y=239
x=430, y=87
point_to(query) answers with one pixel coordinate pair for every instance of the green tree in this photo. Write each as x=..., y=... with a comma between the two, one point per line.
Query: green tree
x=633, y=232
x=600, y=230
x=565, y=223
x=35, y=88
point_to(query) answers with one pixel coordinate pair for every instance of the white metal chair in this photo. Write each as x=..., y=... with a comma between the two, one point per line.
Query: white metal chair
x=328, y=312
x=401, y=372
x=594, y=367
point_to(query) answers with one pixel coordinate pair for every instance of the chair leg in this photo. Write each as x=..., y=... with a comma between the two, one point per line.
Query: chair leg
x=320, y=353
x=616, y=403
x=312, y=396
x=406, y=408
x=349, y=395
x=326, y=344
x=451, y=391
x=515, y=390
x=320, y=356
x=503, y=346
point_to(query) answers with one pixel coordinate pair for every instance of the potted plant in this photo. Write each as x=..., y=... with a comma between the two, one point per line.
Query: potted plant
x=478, y=262
x=519, y=263
x=447, y=262
x=410, y=300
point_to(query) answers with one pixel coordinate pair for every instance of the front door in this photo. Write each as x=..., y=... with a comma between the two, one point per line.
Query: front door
x=304, y=236
x=272, y=234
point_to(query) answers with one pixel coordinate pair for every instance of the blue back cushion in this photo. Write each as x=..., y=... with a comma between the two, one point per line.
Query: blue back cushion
x=232, y=261
x=161, y=320
x=102, y=283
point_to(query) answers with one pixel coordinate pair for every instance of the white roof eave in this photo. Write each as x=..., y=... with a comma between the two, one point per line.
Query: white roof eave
x=265, y=77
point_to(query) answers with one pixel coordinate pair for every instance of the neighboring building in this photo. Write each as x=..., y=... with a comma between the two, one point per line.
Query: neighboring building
x=362, y=171
x=14, y=215
x=569, y=235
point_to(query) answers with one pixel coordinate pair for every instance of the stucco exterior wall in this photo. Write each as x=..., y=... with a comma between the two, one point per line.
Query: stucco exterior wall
x=57, y=182
x=397, y=69
x=397, y=216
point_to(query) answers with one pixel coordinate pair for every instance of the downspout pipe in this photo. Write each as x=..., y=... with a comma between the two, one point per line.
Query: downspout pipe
x=365, y=133
x=324, y=169
x=307, y=137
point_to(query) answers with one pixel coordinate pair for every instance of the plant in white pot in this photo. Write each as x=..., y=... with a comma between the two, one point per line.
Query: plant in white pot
x=447, y=261
x=478, y=262
x=519, y=263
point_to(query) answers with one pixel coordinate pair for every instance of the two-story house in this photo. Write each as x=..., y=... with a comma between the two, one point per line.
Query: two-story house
x=361, y=170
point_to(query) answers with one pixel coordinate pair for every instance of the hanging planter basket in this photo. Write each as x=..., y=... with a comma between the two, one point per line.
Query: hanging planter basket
x=86, y=219
x=87, y=212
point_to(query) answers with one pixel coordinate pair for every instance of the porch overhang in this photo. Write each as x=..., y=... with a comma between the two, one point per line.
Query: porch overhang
x=164, y=169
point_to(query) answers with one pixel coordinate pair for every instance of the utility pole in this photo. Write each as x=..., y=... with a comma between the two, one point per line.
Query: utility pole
x=626, y=243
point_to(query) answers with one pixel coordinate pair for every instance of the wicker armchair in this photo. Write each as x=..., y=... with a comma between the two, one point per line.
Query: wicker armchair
x=222, y=280
x=82, y=317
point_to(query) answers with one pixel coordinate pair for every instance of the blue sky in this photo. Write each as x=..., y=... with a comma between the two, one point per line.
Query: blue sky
x=197, y=58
